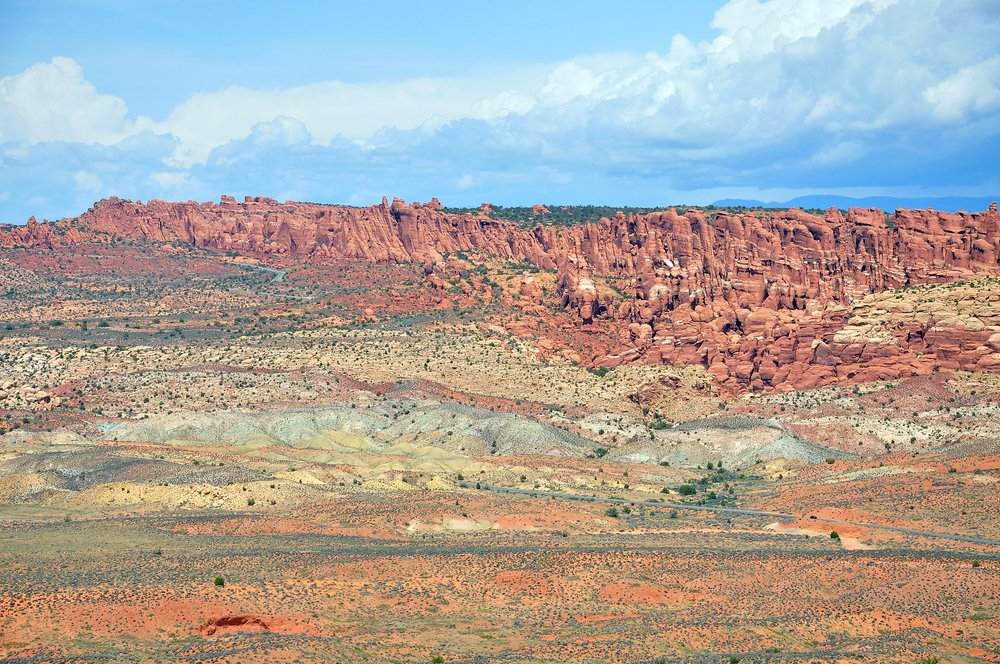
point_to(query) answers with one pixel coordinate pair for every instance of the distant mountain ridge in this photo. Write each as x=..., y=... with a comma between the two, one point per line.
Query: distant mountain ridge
x=889, y=203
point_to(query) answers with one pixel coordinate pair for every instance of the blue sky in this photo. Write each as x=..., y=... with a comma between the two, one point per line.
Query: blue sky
x=575, y=102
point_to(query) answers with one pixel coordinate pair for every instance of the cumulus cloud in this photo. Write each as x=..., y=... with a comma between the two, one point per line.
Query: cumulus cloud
x=55, y=179
x=281, y=132
x=330, y=109
x=171, y=180
x=792, y=94
x=52, y=101
x=752, y=29
x=972, y=89
x=87, y=182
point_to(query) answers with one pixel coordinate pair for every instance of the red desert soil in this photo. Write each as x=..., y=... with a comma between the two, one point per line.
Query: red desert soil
x=523, y=582
x=254, y=624
x=633, y=592
x=400, y=433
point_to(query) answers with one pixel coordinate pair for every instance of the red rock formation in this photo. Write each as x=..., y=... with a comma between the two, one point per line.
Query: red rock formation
x=757, y=298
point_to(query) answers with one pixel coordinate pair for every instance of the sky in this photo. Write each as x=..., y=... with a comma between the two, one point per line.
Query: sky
x=642, y=103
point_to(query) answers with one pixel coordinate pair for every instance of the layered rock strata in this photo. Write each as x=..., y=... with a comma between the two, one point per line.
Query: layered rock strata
x=763, y=299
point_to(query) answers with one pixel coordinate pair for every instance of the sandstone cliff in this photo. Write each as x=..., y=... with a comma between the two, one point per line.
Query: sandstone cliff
x=760, y=298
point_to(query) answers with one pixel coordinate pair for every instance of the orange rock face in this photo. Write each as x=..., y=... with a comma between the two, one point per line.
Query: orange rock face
x=757, y=298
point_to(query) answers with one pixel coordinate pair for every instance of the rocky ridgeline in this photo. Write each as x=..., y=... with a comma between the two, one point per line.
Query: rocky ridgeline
x=760, y=298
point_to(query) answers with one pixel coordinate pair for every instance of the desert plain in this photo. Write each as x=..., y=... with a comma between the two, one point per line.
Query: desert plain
x=252, y=431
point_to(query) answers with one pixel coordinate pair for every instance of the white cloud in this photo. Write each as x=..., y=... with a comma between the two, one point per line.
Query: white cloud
x=52, y=101
x=504, y=103
x=777, y=68
x=752, y=29
x=171, y=180
x=87, y=182
x=845, y=92
x=330, y=109
x=569, y=81
x=975, y=88
x=280, y=132
x=840, y=153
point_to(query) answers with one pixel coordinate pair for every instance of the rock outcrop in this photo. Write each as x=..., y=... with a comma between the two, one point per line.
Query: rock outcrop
x=763, y=299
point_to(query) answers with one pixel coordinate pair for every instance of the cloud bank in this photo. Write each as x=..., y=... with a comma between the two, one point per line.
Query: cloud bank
x=791, y=96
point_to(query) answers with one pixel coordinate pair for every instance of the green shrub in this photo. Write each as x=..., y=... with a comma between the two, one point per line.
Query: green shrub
x=219, y=581
x=687, y=490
